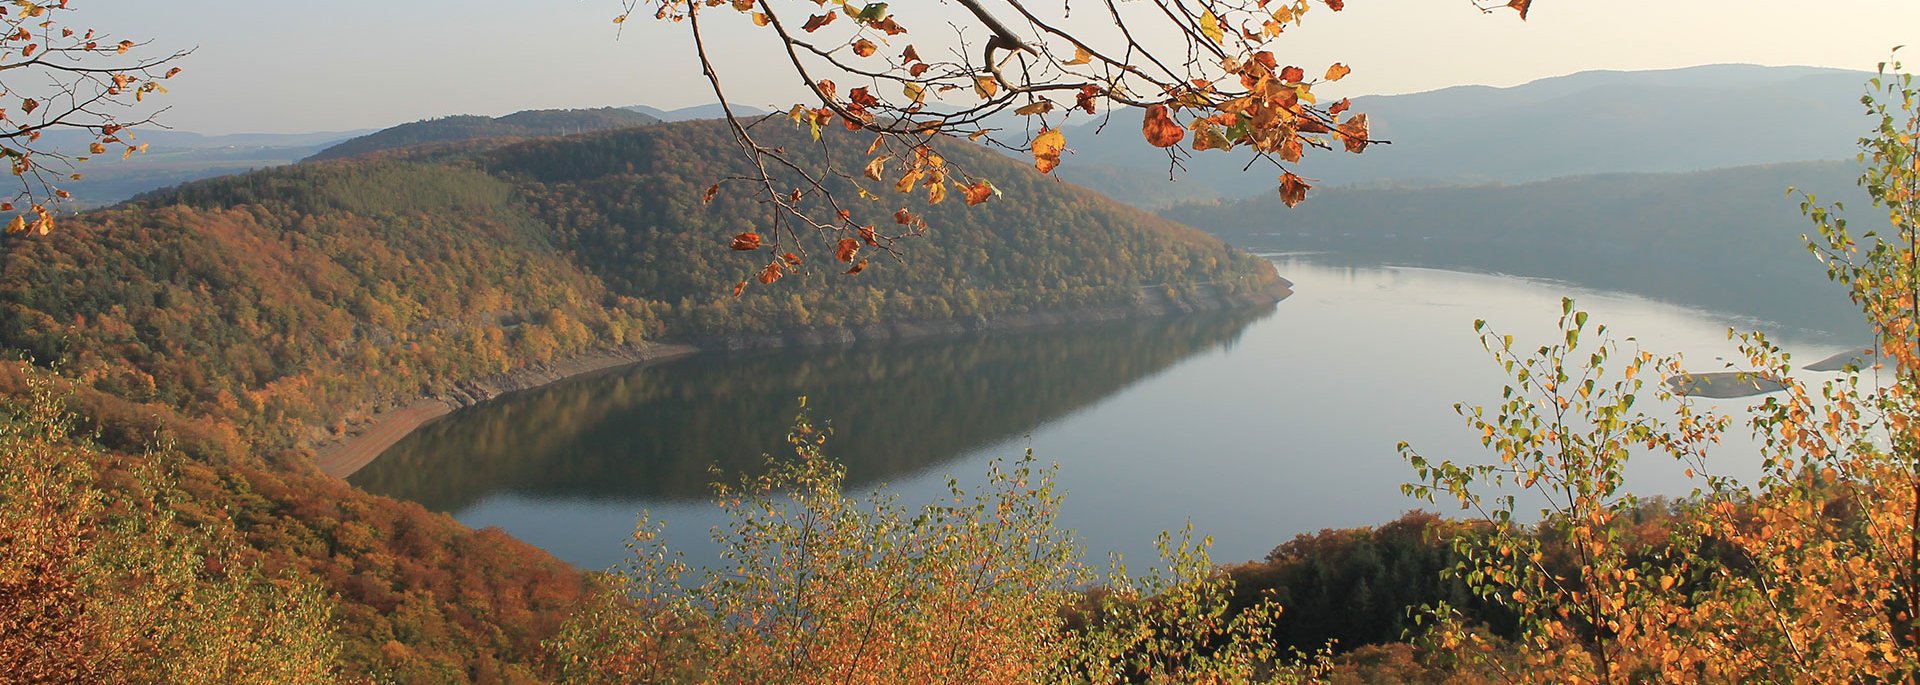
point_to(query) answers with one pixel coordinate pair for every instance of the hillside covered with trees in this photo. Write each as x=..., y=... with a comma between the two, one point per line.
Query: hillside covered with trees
x=532, y=123
x=242, y=319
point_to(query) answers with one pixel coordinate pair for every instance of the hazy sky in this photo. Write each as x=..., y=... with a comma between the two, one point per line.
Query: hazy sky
x=275, y=65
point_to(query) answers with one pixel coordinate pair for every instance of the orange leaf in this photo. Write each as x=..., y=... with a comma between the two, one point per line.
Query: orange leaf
x=738, y=288
x=1337, y=71
x=1521, y=5
x=865, y=48
x=1047, y=148
x=1354, y=133
x=1206, y=136
x=1293, y=189
x=771, y=273
x=814, y=23
x=978, y=192
x=791, y=258
x=857, y=268
x=1291, y=149
x=712, y=190
x=746, y=241
x=1293, y=74
x=848, y=248
x=1160, y=129
x=1338, y=107
x=1086, y=97
x=905, y=184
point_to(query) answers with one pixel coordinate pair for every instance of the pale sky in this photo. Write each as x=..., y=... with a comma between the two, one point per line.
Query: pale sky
x=281, y=66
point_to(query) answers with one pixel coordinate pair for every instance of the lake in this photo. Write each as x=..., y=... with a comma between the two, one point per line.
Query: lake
x=1254, y=425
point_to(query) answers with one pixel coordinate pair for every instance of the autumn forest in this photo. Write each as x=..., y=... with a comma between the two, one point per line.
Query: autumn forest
x=868, y=365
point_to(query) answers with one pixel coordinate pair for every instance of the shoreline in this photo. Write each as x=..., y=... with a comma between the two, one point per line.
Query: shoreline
x=343, y=457
x=346, y=455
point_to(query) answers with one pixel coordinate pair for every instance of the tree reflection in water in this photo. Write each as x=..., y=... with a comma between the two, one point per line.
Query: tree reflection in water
x=898, y=408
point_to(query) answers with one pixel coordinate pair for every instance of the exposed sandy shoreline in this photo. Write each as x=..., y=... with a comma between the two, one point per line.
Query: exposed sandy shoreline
x=341, y=458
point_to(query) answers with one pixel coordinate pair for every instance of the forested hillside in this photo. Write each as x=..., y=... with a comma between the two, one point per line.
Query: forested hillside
x=627, y=207
x=244, y=318
x=1727, y=239
x=528, y=124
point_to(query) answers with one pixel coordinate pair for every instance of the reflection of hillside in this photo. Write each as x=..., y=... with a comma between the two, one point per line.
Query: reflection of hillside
x=655, y=432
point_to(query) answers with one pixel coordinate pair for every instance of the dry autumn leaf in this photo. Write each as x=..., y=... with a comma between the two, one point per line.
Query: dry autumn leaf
x=815, y=22
x=978, y=192
x=1047, y=148
x=746, y=241
x=1293, y=189
x=1353, y=132
x=1160, y=129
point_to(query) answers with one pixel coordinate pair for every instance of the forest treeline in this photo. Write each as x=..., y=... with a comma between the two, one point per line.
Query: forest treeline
x=531, y=123
x=242, y=319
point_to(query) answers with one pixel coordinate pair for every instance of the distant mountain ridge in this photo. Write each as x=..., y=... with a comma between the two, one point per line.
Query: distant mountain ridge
x=525, y=124
x=707, y=111
x=1725, y=239
x=1672, y=120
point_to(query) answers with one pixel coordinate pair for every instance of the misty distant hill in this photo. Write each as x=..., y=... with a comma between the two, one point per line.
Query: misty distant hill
x=1688, y=119
x=707, y=111
x=175, y=157
x=527, y=124
x=1726, y=239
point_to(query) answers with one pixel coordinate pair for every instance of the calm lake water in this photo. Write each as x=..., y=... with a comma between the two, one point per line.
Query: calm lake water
x=1255, y=425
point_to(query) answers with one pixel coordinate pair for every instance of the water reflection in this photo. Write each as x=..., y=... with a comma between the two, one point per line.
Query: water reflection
x=1254, y=426
x=656, y=432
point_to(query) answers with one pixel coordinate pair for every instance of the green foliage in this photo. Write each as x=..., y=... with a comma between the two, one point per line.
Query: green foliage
x=816, y=586
x=1563, y=434
x=627, y=206
x=1806, y=575
x=101, y=581
x=1365, y=586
